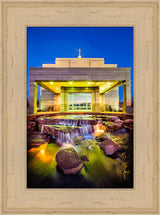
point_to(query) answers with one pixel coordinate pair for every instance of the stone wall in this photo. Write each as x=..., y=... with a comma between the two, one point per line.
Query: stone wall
x=111, y=100
x=47, y=100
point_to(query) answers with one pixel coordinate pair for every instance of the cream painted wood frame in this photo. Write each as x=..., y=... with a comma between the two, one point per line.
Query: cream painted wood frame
x=16, y=16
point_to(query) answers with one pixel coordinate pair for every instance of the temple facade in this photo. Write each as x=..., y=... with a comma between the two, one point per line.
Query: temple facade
x=79, y=84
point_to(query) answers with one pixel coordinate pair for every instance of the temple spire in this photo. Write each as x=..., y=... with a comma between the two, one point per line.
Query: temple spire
x=79, y=53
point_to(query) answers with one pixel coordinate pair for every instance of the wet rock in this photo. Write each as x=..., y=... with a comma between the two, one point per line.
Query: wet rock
x=102, y=137
x=128, y=121
x=113, y=126
x=68, y=161
x=118, y=124
x=122, y=131
x=31, y=126
x=36, y=139
x=58, y=130
x=110, y=126
x=110, y=147
x=112, y=118
x=61, y=121
x=128, y=124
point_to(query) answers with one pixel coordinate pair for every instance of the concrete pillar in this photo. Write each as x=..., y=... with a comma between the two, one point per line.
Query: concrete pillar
x=128, y=97
x=101, y=102
x=32, y=98
x=35, y=97
x=124, y=98
x=97, y=108
x=62, y=99
x=65, y=101
x=111, y=100
x=95, y=100
x=57, y=104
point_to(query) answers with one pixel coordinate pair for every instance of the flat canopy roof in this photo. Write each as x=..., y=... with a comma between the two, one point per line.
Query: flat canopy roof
x=55, y=86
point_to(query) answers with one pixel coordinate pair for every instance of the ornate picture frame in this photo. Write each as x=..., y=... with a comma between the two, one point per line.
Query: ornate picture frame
x=15, y=17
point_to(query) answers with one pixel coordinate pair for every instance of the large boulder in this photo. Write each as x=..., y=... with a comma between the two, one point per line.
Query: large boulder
x=110, y=147
x=68, y=161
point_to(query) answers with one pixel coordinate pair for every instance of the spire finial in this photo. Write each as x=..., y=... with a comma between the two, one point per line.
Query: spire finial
x=79, y=53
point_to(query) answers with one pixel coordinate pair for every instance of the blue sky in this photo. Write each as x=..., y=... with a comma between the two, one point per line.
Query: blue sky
x=114, y=44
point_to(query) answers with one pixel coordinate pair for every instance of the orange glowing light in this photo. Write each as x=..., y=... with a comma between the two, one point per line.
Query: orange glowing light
x=98, y=129
x=42, y=151
x=42, y=154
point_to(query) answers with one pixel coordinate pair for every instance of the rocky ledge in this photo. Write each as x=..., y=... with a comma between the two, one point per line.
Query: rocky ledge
x=36, y=139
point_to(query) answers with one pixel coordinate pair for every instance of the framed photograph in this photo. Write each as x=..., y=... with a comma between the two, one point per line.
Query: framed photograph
x=80, y=107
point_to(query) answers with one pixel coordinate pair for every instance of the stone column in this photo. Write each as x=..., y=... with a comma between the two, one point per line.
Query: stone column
x=97, y=108
x=35, y=97
x=101, y=104
x=65, y=101
x=124, y=97
x=32, y=98
x=128, y=97
x=95, y=100
x=62, y=99
x=57, y=102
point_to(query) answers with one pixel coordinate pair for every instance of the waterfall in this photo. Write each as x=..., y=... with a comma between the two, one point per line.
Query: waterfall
x=86, y=130
x=79, y=127
x=65, y=138
x=42, y=129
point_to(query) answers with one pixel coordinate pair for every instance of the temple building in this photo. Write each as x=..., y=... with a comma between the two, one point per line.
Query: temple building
x=79, y=84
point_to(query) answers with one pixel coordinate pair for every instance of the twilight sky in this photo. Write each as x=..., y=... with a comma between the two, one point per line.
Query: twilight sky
x=114, y=44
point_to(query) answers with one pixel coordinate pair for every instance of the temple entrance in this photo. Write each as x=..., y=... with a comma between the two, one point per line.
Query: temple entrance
x=79, y=101
x=80, y=84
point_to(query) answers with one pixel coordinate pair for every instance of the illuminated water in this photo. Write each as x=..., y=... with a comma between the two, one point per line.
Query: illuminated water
x=100, y=172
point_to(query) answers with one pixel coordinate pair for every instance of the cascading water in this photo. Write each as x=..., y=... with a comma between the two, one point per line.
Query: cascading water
x=42, y=129
x=65, y=131
x=86, y=131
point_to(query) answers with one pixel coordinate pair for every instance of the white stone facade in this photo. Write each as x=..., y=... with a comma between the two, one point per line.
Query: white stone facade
x=80, y=63
x=111, y=100
x=73, y=70
x=47, y=100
